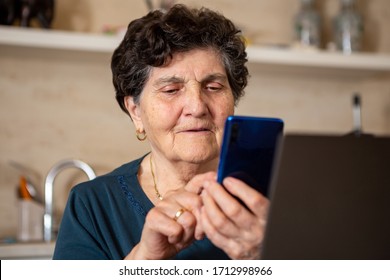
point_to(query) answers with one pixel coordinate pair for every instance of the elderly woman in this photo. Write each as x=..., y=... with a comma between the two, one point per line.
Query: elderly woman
x=178, y=75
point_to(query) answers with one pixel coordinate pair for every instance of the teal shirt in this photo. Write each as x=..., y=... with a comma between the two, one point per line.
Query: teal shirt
x=104, y=217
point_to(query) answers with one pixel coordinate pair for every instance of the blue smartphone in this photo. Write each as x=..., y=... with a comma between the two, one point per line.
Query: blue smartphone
x=248, y=150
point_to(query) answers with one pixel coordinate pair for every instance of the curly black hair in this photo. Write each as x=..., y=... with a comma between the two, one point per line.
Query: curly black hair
x=152, y=40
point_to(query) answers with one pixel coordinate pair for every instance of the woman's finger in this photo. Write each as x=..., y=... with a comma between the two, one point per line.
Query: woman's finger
x=195, y=185
x=229, y=205
x=217, y=217
x=211, y=231
x=162, y=223
x=231, y=246
x=188, y=222
x=257, y=203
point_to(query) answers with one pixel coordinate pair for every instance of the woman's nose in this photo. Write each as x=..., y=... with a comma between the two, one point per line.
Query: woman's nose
x=195, y=103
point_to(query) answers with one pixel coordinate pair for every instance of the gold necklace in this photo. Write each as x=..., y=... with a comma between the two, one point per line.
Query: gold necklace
x=159, y=196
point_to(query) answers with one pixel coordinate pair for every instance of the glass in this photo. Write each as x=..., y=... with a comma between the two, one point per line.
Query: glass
x=307, y=25
x=348, y=28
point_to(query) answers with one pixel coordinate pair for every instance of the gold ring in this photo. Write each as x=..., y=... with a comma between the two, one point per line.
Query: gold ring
x=179, y=213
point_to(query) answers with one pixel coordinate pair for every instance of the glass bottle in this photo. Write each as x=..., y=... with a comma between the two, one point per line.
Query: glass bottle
x=307, y=24
x=348, y=28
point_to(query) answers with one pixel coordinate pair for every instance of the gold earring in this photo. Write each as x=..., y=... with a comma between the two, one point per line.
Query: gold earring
x=141, y=136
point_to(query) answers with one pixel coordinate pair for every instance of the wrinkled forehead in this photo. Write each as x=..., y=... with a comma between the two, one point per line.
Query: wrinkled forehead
x=194, y=64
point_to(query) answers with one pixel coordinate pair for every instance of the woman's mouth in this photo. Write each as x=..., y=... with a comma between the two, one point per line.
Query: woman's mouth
x=197, y=130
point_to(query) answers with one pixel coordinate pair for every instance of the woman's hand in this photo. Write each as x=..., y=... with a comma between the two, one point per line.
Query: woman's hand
x=237, y=230
x=172, y=224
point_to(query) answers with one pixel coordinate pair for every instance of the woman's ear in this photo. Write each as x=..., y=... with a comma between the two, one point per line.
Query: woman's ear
x=134, y=112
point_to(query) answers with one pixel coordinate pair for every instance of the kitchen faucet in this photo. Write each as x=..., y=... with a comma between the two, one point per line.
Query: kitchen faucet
x=49, y=184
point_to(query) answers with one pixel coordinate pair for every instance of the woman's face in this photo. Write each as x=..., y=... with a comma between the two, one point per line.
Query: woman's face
x=184, y=105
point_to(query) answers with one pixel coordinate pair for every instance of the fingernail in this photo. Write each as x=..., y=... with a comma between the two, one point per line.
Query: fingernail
x=228, y=180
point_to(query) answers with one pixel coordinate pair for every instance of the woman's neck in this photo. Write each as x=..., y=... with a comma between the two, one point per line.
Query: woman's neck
x=169, y=175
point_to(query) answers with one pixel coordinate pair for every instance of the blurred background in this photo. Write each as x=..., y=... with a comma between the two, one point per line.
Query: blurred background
x=58, y=103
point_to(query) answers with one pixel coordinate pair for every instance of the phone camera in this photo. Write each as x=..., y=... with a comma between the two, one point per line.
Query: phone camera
x=234, y=132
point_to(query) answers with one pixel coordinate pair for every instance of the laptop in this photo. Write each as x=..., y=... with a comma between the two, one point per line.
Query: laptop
x=330, y=199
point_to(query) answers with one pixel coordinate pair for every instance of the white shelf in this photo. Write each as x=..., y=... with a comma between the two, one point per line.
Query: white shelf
x=265, y=57
x=320, y=59
x=57, y=40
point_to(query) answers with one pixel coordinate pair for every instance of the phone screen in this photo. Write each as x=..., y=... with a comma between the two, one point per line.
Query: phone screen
x=248, y=150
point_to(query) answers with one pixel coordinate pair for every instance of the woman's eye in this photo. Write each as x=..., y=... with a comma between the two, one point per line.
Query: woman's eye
x=170, y=90
x=213, y=87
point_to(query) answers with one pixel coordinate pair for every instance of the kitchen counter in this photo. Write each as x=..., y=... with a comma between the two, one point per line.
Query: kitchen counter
x=27, y=251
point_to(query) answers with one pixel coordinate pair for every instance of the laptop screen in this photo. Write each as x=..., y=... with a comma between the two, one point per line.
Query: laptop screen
x=330, y=199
